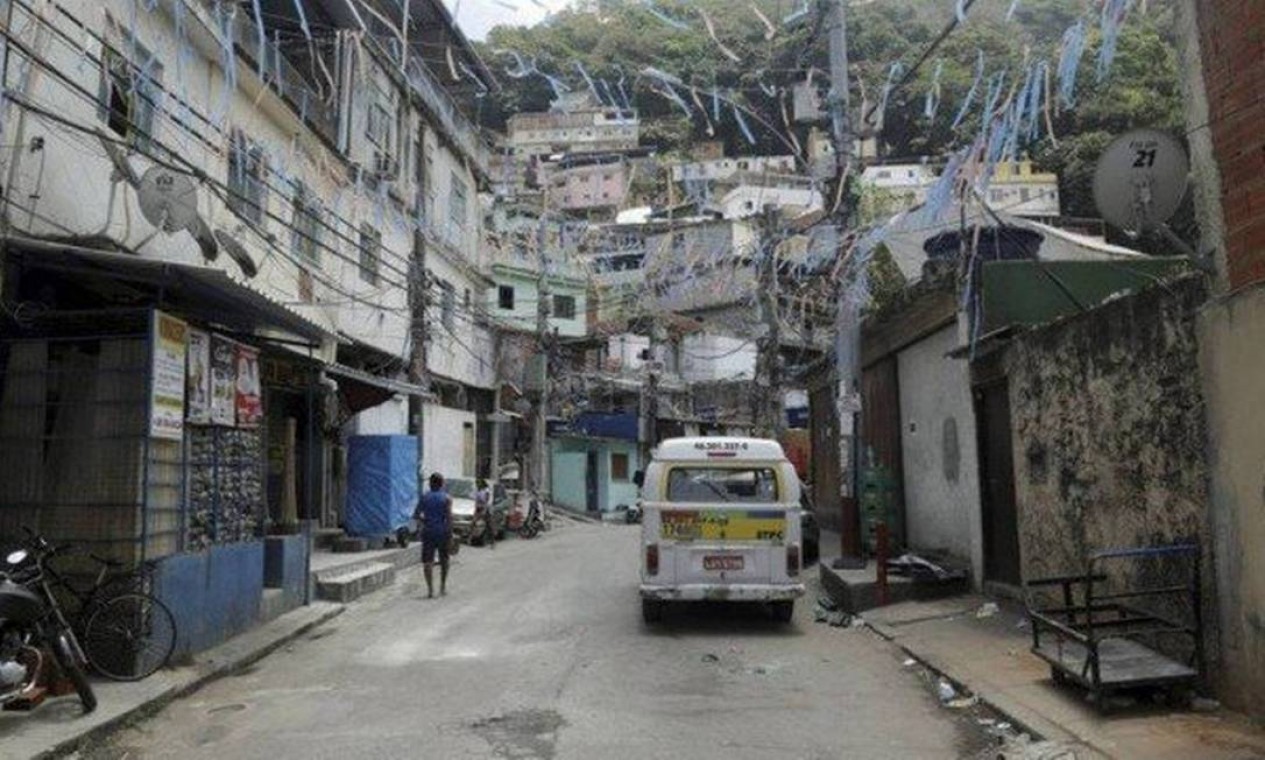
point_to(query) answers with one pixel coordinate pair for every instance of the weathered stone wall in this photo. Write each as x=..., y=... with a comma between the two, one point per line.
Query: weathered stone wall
x=1110, y=440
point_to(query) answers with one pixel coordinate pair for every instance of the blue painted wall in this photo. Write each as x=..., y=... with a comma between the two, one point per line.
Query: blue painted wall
x=569, y=457
x=285, y=566
x=567, y=484
x=213, y=594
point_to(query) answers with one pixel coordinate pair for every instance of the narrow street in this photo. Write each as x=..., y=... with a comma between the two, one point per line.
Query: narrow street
x=540, y=652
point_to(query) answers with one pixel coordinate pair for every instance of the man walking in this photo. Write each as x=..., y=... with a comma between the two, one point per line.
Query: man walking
x=434, y=510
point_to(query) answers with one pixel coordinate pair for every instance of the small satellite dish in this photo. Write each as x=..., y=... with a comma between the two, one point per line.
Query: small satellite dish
x=168, y=199
x=237, y=252
x=1141, y=180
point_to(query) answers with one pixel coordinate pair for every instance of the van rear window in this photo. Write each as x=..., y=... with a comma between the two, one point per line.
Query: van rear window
x=739, y=485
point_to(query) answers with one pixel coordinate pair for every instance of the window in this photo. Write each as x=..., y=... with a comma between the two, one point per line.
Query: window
x=619, y=467
x=378, y=126
x=752, y=485
x=564, y=307
x=457, y=203
x=305, y=222
x=370, y=253
x=505, y=297
x=885, y=174
x=129, y=92
x=448, y=305
x=247, y=191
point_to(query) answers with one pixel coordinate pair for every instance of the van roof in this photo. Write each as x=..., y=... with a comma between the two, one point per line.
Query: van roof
x=712, y=448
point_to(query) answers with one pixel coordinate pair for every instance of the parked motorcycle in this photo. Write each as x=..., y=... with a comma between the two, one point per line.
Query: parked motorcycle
x=32, y=625
x=534, y=522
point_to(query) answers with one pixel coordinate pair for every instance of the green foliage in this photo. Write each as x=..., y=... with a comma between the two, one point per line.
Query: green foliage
x=620, y=37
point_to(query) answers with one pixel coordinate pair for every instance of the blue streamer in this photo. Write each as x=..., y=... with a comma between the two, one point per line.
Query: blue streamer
x=653, y=10
x=892, y=75
x=588, y=80
x=715, y=103
x=606, y=89
x=1014, y=6
x=960, y=11
x=623, y=94
x=970, y=94
x=932, y=104
x=1073, y=50
x=262, y=56
x=742, y=124
x=307, y=31
x=524, y=69
x=1113, y=16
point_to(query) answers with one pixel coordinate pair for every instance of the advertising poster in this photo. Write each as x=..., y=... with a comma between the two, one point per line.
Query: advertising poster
x=223, y=381
x=166, y=404
x=198, y=378
x=249, y=399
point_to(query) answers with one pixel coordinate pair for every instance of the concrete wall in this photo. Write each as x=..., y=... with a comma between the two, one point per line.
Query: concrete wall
x=706, y=357
x=568, y=470
x=387, y=418
x=526, y=298
x=213, y=594
x=611, y=492
x=1108, y=430
x=569, y=459
x=941, y=466
x=1231, y=334
x=443, y=441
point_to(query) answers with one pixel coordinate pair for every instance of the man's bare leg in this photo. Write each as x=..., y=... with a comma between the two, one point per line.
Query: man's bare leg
x=430, y=583
x=443, y=576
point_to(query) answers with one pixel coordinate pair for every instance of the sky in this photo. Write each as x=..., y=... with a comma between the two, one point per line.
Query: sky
x=477, y=17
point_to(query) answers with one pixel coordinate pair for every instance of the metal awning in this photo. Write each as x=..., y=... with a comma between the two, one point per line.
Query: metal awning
x=200, y=292
x=377, y=381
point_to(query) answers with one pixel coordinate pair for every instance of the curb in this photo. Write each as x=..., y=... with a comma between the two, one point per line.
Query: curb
x=202, y=676
x=1020, y=718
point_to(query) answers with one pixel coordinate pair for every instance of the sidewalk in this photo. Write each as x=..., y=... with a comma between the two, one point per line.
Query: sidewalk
x=58, y=727
x=989, y=657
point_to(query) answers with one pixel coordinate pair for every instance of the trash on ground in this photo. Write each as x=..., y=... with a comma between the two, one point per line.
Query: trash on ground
x=919, y=568
x=945, y=691
x=1022, y=624
x=961, y=703
x=827, y=603
x=1203, y=704
x=909, y=663
x=833, y=617
x=987, y=610
x=709, y=657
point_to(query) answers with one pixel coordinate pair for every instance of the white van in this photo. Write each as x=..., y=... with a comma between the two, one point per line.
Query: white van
x=721, y=522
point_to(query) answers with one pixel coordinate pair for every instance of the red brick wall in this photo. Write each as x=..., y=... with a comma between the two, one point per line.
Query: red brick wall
x=1232, y=36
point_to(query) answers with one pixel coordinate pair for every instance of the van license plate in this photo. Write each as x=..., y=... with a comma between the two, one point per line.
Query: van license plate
x=722, y=562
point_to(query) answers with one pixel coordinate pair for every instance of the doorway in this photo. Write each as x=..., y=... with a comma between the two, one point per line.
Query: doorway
x=1000, y=515
x=590, y=482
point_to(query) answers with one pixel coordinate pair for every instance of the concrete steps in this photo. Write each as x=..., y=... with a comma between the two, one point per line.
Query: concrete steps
x=348, y=583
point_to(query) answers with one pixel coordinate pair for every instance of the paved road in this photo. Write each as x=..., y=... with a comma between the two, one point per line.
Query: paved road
x=539, y=652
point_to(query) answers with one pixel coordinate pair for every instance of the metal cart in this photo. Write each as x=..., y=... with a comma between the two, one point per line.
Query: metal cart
x=1108, y=639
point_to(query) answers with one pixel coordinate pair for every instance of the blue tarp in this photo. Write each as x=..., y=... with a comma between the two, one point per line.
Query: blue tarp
x=381, y=483
x=603, y=425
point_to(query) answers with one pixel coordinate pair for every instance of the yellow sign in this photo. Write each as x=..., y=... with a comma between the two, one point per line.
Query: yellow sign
x=722, y=525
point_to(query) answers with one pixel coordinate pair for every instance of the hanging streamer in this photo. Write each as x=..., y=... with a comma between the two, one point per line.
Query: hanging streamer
x=711, y=32
x=262, y=52
x=892, y=75
x=653, y=10
x=715, y=103
x=1114, y=13
x=623, y=94
x=767, y=89
x=932, y=104
x=1073, y=50
x=589, y=81
x=960, y=11
x=970, y=94
x=742, y=124
x=307, y=30
x=483, y=88
x=1014, y=6
x=770, y=30
x=711, y=130
x=522, y=69
x=606, y=88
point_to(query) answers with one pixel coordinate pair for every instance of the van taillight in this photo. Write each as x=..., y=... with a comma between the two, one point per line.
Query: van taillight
x=792, y=560
x=652, y=559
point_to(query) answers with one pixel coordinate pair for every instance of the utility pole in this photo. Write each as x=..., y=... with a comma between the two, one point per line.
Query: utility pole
x=769, y=403
x=419, y=374
x=848, y=314
x=649, y=407
x=543, y=344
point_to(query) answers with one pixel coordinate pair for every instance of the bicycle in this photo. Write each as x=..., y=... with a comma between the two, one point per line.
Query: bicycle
x=126, y=633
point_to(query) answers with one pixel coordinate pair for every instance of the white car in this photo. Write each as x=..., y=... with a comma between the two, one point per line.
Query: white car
x=720, y=522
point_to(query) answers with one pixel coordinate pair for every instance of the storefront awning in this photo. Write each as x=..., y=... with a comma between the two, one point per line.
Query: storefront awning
x=197, y=292
x=377, y=381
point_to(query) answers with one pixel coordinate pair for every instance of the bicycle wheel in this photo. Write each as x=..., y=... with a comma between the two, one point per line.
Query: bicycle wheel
x=128, y=637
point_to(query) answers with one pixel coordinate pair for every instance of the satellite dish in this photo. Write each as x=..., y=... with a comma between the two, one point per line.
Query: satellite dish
x=168, y=199
x=1141, y=180
x=237, y=252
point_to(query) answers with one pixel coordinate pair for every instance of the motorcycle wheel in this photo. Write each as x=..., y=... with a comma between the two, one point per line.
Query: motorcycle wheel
x=64, y=652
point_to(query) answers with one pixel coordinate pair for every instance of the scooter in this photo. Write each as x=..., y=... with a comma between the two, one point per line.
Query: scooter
x=534, y=522
x=31, y=625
